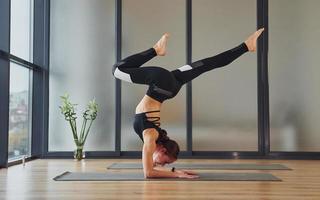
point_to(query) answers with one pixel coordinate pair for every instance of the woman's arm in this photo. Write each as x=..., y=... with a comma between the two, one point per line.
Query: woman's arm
x=149, y=146
x=176, y=170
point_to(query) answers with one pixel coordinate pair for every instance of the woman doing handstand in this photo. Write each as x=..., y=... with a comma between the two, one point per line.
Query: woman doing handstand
x=158, y=148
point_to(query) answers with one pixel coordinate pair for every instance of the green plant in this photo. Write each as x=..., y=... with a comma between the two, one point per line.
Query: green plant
x=89, y=115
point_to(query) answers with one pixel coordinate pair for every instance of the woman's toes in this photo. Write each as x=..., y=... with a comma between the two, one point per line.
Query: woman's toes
x=251, y=42
x=258, y=32
x=160, y=46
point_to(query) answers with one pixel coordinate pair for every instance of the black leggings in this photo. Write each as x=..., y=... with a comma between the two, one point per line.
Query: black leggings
x=168, y=82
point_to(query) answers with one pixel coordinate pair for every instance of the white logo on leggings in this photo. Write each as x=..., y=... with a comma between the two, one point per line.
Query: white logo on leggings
x=121, y=75
x=185, y=68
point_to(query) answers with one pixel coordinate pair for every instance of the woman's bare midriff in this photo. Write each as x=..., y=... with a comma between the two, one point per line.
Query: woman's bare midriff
x=148, y=104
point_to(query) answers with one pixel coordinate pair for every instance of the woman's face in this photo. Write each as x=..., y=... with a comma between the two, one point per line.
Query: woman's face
x=161, y=158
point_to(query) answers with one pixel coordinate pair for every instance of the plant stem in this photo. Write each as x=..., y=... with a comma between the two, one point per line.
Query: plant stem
x=87, y=132
x=84, y=124
x=75, y=127
x=75, y=137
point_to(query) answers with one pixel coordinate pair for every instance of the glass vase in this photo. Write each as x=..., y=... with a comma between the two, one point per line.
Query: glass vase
x=79, y=154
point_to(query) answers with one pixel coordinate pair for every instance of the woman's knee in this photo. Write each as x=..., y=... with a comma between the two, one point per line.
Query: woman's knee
x=118, y=65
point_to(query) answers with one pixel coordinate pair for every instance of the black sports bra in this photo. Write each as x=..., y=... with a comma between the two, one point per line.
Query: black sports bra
x=141, y=123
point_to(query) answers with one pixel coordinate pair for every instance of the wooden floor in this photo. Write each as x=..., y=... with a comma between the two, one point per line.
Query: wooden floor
x=34, y=181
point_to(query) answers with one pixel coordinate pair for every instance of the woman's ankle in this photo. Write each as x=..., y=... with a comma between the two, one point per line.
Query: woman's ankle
x=156, y=50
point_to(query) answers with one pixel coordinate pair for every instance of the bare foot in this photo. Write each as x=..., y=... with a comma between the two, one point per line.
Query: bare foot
x=161, y=45
x=251, y=42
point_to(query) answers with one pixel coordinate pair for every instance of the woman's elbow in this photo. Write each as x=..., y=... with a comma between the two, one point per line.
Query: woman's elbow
x=148, y=174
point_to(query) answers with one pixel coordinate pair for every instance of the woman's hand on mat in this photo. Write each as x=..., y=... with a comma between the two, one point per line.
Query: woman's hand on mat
x=184, y=174
x=188, y=172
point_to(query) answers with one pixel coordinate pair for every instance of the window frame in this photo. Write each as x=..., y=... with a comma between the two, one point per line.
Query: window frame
x=39, y=78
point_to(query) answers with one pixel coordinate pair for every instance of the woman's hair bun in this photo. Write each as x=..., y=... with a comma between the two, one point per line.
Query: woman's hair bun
x=163, y=136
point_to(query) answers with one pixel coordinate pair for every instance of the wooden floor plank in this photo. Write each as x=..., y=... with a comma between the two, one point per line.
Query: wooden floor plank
x=34, y=181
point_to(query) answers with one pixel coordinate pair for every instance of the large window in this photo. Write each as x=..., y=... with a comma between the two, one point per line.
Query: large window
x=224, y=99
x=294, y=75
x=81, y=59
x=21, y=44
x=19, y=112
x=140, y=33
x=21, y=29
